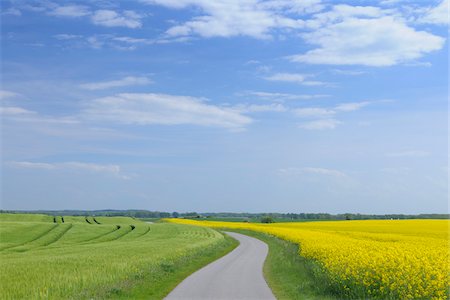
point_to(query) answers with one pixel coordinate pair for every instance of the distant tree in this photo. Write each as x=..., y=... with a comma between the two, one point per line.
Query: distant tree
x=175, y=214
x=164, y=215
x=266, y=220
x=191, y=214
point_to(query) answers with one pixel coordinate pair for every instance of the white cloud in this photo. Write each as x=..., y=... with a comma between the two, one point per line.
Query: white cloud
x=324, y=116
x=294, y=78
x=239, y=18
x=284, y=96
x=14, y=110
x=352, y=106
x=348, y=72
x=102, y=17
x=409, y=153
x=4, y=94
x=437, y=15
x=114, y=170
x=31, y=165
x=111, y=18
x=316, y=171
x=367, y=36
x=322, y=124
x=389, y=2
x=72, y=11
x=95, y=42
x=19, y=114
x=323, y=171
x=132, y=40
x=12, y=12
x=249, y=108
x=126, y=81
x=313, y=112
x=65, y=36
x=99, y=41
x=252, y=62
x=145, y=109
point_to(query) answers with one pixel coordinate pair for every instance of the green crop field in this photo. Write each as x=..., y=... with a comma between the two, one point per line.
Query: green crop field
x=99, y=257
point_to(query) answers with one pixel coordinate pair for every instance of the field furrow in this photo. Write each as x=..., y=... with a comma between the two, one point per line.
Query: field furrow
x=115, y=259
x=116, y=234
x=49, y=238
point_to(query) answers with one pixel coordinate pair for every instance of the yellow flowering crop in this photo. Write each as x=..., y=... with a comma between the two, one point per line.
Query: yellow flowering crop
x=399, y=259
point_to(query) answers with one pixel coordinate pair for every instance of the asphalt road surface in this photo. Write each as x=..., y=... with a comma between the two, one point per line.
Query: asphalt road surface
x=237, y=275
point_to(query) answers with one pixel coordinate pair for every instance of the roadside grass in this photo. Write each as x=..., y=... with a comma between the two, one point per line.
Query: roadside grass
x=289, y=275
x=78, y=260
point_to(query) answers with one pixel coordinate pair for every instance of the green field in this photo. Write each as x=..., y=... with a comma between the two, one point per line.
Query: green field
x=99, y=257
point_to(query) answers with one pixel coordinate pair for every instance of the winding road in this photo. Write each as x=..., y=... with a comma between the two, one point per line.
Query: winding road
x=236, y=276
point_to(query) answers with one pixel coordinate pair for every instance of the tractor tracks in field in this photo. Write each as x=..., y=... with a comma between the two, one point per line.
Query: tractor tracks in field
x=32, y=240
x=43, y=240
x=145, y=232
x=60, y=235
x=119, y=232
x=58, y=230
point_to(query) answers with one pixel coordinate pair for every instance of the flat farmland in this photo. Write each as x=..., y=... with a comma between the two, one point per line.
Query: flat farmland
x=99, y=257
x=372, y=259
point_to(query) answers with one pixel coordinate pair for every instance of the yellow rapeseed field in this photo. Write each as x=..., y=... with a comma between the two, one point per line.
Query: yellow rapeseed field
x=396, y=259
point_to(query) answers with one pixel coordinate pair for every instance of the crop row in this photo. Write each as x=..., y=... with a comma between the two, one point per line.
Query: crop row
x=86, y=261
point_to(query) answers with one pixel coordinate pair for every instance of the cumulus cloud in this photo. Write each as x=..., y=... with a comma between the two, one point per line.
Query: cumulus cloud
x=349, y=35
x=126, y=81
x=321, y=124
x=438, y=15
x=114, y=170
x=102, y=17
x=146, y=109
x=252, y=18
x=111, y=18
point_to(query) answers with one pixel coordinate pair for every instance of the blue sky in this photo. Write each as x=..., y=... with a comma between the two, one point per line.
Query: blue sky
x=238, y=105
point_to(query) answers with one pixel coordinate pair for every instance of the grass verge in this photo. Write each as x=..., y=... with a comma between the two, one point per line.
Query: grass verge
x=160, y=280
x=289, y=275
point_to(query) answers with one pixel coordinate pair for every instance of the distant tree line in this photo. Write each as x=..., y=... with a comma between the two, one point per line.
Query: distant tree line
x=325, y=216
x=195, y=215
x=98, y=213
